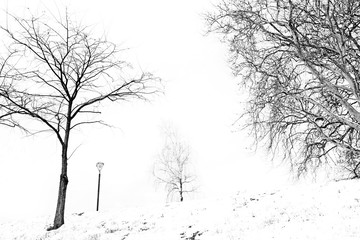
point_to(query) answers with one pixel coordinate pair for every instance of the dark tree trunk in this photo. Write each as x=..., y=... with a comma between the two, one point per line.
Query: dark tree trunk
x=181, y=191
x=60, y=207
x=356, y=170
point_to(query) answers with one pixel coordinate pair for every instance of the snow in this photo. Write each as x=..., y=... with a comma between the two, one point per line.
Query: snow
x=327, y=211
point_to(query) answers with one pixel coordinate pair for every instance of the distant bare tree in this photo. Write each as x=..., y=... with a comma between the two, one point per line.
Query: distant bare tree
x=299, y=61
x=58, y=74
x=172, y=168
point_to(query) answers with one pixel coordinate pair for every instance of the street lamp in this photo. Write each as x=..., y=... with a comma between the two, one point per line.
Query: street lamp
x=99, y=166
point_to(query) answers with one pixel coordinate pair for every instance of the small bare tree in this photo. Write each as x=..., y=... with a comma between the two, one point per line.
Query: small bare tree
x=172, y=168
x=57, y=74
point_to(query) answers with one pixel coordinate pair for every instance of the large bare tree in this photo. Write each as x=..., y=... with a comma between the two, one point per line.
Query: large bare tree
x=299, y=61
x=173, y=168
x=57, y=73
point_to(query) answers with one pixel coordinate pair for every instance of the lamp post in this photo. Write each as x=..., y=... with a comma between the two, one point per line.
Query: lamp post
x=99, y=166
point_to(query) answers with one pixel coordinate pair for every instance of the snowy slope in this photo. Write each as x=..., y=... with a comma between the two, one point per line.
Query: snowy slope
x=330, y=211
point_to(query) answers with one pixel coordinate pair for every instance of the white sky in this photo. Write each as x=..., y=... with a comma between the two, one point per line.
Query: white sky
x=201, y=99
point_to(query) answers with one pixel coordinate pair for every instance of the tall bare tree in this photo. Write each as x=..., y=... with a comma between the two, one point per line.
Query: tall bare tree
x=58, y=74
x=299, y=60
x=172, y=168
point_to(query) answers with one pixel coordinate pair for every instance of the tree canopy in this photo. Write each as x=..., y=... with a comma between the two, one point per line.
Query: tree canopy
x=299, y=60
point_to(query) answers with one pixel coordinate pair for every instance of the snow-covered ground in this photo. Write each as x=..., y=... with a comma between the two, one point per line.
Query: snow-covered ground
x=330, y=211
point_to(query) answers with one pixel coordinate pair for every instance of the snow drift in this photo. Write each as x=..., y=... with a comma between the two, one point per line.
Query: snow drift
x=330, y=211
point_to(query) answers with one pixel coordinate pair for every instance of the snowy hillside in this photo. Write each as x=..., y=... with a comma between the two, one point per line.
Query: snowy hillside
x=330, y=211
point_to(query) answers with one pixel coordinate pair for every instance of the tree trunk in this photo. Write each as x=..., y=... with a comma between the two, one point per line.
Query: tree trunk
x=181, y=191
x=60, y=207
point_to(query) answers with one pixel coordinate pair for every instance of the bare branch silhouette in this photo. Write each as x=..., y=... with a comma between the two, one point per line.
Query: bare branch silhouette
x=299, y=62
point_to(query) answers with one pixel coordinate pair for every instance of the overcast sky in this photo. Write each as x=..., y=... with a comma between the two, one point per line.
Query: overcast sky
x=201, y=100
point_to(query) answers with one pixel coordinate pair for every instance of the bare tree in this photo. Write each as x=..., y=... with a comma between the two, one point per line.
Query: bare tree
x=172, y=168
x=58, y=74
x=299, y=60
